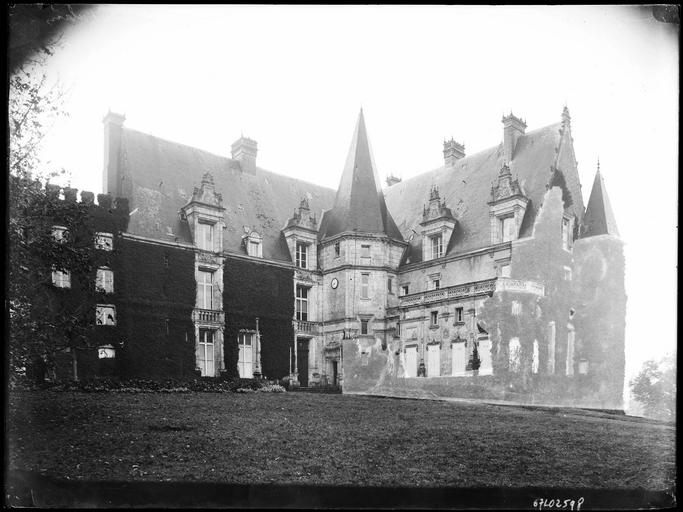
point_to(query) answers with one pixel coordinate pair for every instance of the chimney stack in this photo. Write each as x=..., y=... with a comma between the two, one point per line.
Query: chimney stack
x=513, y=127
x=244, y=151
x=113, y=128
x=392, y=180
x=452, y=152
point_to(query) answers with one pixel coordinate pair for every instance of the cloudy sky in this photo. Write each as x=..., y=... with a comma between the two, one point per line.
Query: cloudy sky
x=294, y=78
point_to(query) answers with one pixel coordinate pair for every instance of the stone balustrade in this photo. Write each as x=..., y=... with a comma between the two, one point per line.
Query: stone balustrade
x=210, y=316
x=304, y=327
x=472, y=289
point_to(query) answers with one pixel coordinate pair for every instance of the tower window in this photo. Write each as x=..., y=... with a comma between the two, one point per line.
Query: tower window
x=365, y=286
x=390, y=284
x=458, y=315
x=364, y=251
x=435, y=318
x=302, y=303
x=566, y=235
x=301, y=255
x=364, y=327
x=404, y=289
x=337, y=249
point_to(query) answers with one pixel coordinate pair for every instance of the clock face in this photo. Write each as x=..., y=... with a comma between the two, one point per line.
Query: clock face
x=334, y=283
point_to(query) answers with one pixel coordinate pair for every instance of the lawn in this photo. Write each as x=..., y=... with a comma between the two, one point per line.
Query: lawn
x=295, y=438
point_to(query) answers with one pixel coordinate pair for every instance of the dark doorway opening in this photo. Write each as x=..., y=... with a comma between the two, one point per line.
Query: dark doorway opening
x=302, y=356
x=335, y=373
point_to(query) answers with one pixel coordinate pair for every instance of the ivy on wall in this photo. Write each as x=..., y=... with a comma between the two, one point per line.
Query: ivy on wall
x=155, y=293
x=252, y=289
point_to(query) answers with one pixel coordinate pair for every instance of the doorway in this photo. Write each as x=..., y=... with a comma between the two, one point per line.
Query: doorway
x=335, y=373
x=302, y=363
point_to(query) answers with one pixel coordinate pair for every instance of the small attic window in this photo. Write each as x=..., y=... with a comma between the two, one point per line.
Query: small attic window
x=254, y=244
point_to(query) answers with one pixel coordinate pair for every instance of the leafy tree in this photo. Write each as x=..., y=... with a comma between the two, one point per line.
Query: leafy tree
x=44, y=320
x=655, y=388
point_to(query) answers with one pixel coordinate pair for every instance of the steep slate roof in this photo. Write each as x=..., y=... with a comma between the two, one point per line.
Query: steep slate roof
x=161, y=175
x=359, y=205
x=466, y=188
x=599, y=218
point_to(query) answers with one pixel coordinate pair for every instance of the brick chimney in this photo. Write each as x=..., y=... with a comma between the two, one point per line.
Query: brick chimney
x=513, y=127
x=244, y=151
x=452, y=152
x=113, y=127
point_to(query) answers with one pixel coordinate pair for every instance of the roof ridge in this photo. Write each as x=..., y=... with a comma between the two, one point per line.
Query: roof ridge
x=229, y=159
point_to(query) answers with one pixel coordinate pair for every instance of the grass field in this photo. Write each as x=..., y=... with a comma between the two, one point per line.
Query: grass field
x=331, y=439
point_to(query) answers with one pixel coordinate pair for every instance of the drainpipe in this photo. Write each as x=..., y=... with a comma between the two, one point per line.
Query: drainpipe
x=257, y=369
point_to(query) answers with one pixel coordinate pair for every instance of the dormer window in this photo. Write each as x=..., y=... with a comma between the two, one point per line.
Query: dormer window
x=436, y=243
x=508, y=229
x=254, y=245
x=104, y=241
x=205, y=235
x=301, y=255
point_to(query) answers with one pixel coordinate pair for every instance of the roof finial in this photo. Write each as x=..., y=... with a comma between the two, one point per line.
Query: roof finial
x=598, y=163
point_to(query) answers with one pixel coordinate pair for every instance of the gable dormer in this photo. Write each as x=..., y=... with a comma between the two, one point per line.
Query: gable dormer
x=204, y=215
x=437, y=226
x=507, y=207
x=252, y=241
x=301, y=233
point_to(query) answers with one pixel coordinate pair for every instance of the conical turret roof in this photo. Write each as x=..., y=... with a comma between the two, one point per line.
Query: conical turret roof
x=599, y=218
x=359, y=205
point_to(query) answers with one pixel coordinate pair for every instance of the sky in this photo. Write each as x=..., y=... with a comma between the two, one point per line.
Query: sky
x=294, y=78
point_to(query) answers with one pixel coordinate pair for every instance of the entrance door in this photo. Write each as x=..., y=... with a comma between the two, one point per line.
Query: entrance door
x=302, y=356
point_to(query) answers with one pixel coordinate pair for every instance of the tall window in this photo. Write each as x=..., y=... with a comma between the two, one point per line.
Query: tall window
x=566, y=237
x=437, y=246
x=458, y=315
x=509, y=229
x=205, y=236
x=365, y=251
x=435, y=317
x=405, y=289
x=205, y=290
x=104, y=282
x=61, y=278
x=337, y=249
x=514, y=350
x=206, y=356
x=302, y=303
x=390, y=284
x=365, y=286
x=436, y=284
x=363, y=326
x=245, y=362
x=105, y=314
x=104, y=241
x=254, y=248
x=301, y=255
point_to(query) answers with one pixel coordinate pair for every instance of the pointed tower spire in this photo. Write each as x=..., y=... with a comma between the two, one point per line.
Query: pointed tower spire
x=359, y=205
x=599, y=218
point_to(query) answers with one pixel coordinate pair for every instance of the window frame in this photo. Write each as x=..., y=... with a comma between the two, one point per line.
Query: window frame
x=364, y=326
x=459, y=315
x=205, y=234
x=390, y=285
x=104, y=272
x=203, y=288
x=508, y=220
x=405, y=290
x=301, y=254
x=100, y=241
x=203, y=345
x=365, y=251
x=434, y=318
x=301, y=303
x=61, y=278
x=365, y=285
x=337, y=249
x=100, y=312
x=436, y=246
